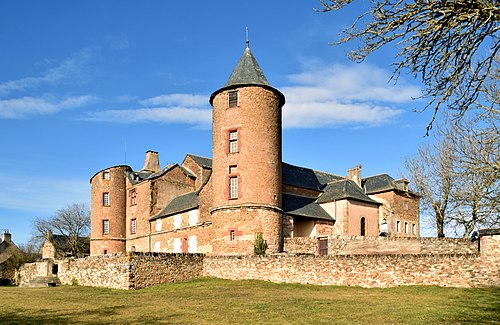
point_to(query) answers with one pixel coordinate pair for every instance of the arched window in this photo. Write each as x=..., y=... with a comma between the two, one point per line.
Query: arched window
x=363, y=226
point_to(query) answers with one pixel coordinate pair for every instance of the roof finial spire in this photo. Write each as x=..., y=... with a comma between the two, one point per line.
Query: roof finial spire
x=247, y=42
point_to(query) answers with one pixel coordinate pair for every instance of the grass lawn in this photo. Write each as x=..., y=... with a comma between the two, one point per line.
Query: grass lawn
x=214, y=301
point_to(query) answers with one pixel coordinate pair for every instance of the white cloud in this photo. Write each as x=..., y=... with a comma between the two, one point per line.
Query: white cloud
x=26, y=106
x=333, y=95
x=177, y=100
x=40, y=194
x=180, y=115
x=66, y=69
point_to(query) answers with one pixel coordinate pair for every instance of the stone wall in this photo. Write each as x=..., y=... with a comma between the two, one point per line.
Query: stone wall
x=120, y=271
x=372, y=271
x=154, y=269
x=443, y=263
x=346, y=245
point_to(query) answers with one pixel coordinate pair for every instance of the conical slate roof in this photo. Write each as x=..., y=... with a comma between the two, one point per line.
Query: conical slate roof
x=247, y=72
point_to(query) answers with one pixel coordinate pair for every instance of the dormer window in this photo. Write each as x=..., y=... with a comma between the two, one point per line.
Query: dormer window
x=232, y=98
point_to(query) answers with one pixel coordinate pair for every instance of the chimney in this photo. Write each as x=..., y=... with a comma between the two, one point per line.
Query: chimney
x=6, y=236
x=354, y=174
x=152, y=163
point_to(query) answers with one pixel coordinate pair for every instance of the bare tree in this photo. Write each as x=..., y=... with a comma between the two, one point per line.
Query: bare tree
x=432, y=175
x=72, y=222
x=451, y=45
x=477, y=192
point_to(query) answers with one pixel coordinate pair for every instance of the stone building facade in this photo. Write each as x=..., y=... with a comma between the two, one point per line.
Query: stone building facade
x=217, y=206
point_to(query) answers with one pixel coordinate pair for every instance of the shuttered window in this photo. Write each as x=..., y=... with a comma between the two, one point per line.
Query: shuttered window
x=233, y=98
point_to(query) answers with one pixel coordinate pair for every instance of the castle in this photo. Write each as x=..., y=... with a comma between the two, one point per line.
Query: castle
x=217, y=206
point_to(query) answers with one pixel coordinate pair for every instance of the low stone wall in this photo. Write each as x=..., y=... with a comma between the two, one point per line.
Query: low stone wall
x=372, y=271
x=30, y=271
x=153, y=269
x=348, y=245
x=135, y=271
x=108, y=271
x=140, y=270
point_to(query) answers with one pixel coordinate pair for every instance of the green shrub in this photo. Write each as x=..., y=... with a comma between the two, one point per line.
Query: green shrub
x=260, y=245
x=74, y=282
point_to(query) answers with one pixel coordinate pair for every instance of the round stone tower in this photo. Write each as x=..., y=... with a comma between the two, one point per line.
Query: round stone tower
x=107, y=212
x=246, y=166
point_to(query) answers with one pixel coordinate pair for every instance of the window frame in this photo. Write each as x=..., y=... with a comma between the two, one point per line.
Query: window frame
x=233, y=99
x=133, y=197
x=106, y=175
x=233, y=187
x=133, y=226
x=233, y=141
x=105, y=226
x=105, y=199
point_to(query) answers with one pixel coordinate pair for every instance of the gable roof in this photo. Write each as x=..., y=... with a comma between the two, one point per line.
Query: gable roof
x=306, y=177
x=304, y=207
x=344, y=189
x=382, y=183
x=179, y=204
x=61, y=243
x=201, y=161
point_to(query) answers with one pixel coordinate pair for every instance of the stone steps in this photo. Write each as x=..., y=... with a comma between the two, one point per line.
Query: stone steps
x=43, y=281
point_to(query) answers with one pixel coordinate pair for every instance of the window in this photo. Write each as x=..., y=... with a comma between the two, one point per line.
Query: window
x=233, y=141
x=105, y=199
x=233, y=169
x=232, y=98
x=398, y=226
x=133, y=197
x=363, y=226
x=231, y=235
x=133, y=226
x=105, y=175
x=414, y=229
x=105, y=227
x=105, y=252
x=233, y=187
x=406, y=227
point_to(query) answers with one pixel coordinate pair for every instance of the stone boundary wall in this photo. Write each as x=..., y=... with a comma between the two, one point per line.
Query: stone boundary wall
x=371, y=271
x=349, y=245
x=108, y=271
x=153, y=269
x=140, y=270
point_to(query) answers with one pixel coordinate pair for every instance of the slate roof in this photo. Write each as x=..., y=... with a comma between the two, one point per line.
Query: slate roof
x=247, y=72
x=304, y=207
x=344, y=189
x=307, y=178
x=61, y=243
x=202, y=161
x=179, y=204
x=382, y=183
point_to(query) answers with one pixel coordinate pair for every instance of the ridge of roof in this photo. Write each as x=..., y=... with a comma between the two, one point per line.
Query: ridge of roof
x=344, y=189
x=307, y=177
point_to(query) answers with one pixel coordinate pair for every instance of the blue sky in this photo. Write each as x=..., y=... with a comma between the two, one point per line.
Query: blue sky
x=85, y=85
